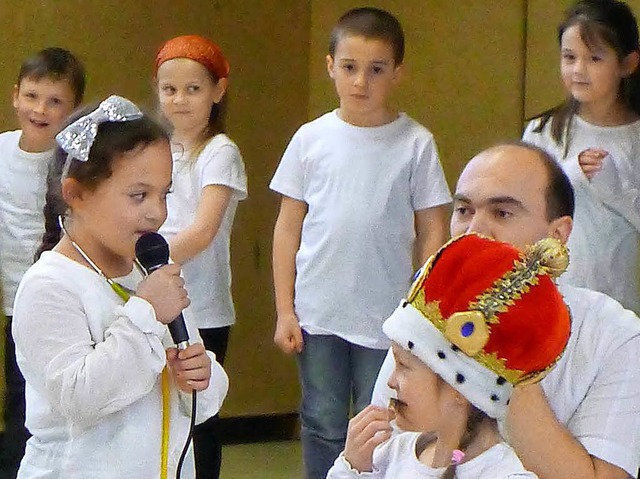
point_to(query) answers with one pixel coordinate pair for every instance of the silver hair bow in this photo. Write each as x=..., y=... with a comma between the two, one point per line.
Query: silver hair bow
x=77, y=138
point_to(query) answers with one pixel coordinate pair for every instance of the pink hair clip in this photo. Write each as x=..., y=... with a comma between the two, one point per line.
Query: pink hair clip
x=457, y=457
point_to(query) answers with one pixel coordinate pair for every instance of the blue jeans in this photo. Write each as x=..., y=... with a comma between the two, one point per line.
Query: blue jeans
x=335, y=374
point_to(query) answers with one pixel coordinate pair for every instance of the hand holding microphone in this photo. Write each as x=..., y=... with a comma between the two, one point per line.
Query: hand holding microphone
x=191, y=367
x=163, y=288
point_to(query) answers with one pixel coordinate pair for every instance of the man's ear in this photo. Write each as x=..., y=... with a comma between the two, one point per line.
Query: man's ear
x=560, y=228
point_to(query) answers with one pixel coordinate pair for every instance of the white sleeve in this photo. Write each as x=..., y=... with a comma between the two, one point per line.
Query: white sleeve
x=84, y=380
x=341, y=469
x=382, y=393
x=288, y=179
x=608, y=419
x=223, y=165
x=428, y=184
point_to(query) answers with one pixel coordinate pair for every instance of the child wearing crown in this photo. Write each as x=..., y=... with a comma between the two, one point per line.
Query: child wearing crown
x=480, y=319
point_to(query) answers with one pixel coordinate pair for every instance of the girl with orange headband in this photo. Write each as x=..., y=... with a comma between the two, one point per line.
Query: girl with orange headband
x=209, y=180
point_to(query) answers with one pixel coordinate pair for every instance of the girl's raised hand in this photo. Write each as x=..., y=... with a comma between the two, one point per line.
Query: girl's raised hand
x=190, y=368
x=367, y=430
x=164, y=290
x=590, y=161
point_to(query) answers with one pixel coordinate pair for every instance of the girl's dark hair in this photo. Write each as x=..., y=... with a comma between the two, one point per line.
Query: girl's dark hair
x=373, y=23
x=476, y=417
x=56, y=64
x=599, y=21
x=112, y=139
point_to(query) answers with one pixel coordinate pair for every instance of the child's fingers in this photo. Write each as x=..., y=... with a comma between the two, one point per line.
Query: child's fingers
x=591, y=168
x=286, y=344
x=590, y=171
x=193, y=350
x=199, y=385
x=190, y=365
x=199, y=374
x=375, y=415
x=378, y=438
x=375, y=433
x=172, y=354
x=197, y=379
x=172, y=269
x=202, y=360
x=599, y=151
x=297, y=340
x=367, y=430
x=372, y=411
x=589, y=159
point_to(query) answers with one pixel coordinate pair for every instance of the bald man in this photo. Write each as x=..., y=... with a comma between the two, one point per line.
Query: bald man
x=583, y=420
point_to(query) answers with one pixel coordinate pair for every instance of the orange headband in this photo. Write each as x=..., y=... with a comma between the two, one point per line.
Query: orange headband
x=196, y=48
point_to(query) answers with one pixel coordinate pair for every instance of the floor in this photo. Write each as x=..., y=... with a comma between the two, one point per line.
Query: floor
x=262, y=460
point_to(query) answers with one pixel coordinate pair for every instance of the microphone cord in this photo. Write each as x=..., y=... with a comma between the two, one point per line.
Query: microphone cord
x=192, y=425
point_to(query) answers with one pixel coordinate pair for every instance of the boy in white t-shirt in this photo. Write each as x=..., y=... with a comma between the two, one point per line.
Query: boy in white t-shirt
x=50, y=85
x=363, y=197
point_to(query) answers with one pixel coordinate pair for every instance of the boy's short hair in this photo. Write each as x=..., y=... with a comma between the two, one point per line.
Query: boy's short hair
x=372, y=23
x=56, y=64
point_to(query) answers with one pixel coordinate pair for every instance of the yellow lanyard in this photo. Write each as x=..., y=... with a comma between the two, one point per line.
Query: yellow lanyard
x=164, y=451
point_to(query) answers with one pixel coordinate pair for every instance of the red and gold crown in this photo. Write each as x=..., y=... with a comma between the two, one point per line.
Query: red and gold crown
x=485, y=316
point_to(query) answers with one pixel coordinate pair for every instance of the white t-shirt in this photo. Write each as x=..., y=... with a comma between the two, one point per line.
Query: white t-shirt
x=594, y=390
x=604, y=242
x=207, y=275
x=397, y=459
x=23, y=184
x=93, y=377
x=362, y=187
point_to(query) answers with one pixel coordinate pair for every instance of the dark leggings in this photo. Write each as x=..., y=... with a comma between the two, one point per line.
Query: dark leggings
x=206, y=444
x=15, y=433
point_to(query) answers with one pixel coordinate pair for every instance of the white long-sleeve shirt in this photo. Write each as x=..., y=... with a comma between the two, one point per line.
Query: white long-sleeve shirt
x=93, y=377
x=397, y=459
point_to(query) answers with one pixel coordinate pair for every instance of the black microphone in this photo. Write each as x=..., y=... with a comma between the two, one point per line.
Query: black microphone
x=152, y=252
